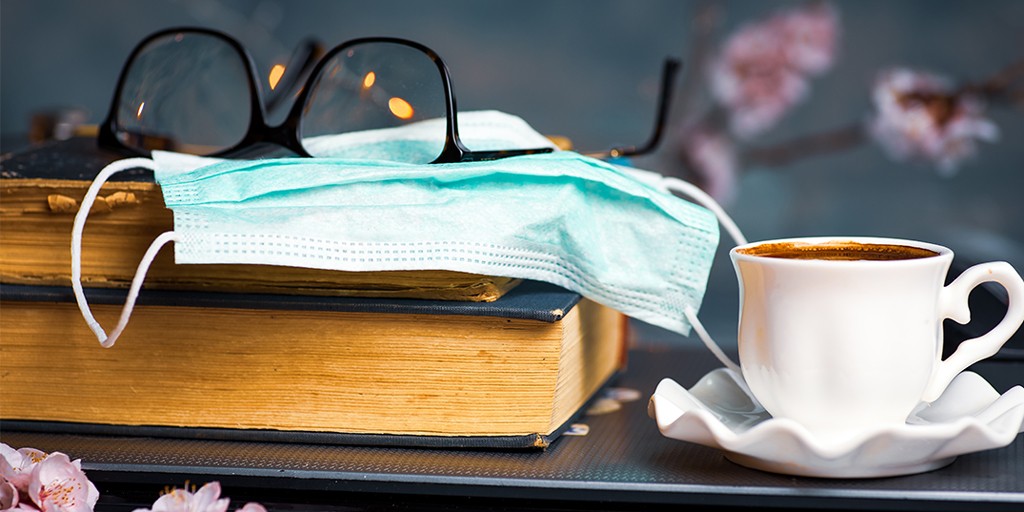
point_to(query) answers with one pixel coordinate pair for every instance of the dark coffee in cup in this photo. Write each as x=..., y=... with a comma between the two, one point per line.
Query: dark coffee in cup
x=838, y=250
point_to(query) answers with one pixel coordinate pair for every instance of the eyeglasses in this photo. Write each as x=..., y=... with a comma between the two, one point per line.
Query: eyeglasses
x=195, y=90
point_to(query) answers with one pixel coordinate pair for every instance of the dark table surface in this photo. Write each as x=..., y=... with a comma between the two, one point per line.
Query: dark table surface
x=623, y=463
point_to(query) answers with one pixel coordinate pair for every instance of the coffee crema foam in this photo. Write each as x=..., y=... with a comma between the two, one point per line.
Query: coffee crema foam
x=838, y=251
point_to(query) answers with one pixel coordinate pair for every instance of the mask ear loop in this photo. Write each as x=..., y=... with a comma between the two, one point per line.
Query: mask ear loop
x=698, y=195
x=76, y=253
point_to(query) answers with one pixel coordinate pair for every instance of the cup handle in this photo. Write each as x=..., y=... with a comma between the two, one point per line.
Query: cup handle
x=953, y=305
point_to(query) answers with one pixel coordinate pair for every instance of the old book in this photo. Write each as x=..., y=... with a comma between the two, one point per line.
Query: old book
x=39, y=194
x=509, y=373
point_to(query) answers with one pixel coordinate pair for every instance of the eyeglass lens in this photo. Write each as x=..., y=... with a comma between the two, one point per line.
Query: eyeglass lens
x=376, y=86
x=185, y=92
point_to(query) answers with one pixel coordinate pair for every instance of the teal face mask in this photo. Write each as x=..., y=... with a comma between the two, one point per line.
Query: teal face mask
x=580, y=223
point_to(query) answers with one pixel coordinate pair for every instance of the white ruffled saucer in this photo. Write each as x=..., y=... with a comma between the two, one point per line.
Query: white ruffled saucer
x=720, y=412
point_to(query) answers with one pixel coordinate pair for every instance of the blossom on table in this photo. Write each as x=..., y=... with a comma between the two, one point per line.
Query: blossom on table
x=206, y=499
x=762, y=70
x=58, y=484
x=35, y=480
x=920, y=116
x=16, y=465
x=252, y=507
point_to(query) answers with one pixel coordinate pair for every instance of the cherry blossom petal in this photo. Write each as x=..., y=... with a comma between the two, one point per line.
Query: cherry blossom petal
x=16, y=465
x=181, y=500
x=10, y=454
x=178, y=500
x=252, y=507
x=58, y=484
x=92, y=494
x=8, y=495
x=206, y=499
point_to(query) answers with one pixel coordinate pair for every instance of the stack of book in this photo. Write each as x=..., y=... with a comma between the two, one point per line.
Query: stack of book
x=419, y=358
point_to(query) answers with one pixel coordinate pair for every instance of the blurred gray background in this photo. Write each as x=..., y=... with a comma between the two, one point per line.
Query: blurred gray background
x=588, y=70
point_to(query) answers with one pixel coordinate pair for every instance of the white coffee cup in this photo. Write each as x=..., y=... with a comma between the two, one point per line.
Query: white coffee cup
x=845, y=347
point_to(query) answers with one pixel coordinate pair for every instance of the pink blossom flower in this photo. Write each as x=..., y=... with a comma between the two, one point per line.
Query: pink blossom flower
x=16, y=465
x=713, y=158
x=760, y=73
x=206, y=499
x=58, y=484
x=8, y=495
x=34, y=480
x=752, y=80
x=252, y=507
x=810, y=35
x=919, y=116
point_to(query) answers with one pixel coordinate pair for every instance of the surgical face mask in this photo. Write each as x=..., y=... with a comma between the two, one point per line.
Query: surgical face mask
x=614, y=235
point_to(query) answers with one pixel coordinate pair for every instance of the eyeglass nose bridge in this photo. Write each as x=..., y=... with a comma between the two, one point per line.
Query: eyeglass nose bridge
x=279, y=141
x=453, y=150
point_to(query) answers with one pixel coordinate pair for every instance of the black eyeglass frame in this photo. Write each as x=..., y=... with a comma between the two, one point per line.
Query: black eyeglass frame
x=669, y=70
x=296, y=73
x=287, y=133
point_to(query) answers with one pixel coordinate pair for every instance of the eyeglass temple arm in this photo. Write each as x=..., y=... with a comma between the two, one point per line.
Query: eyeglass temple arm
x=479, y=156
x=300, y=63
x=668, y=78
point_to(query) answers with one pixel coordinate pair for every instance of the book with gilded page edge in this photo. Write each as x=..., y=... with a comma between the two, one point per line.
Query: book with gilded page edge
x=40, y=190
x=512, y=373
